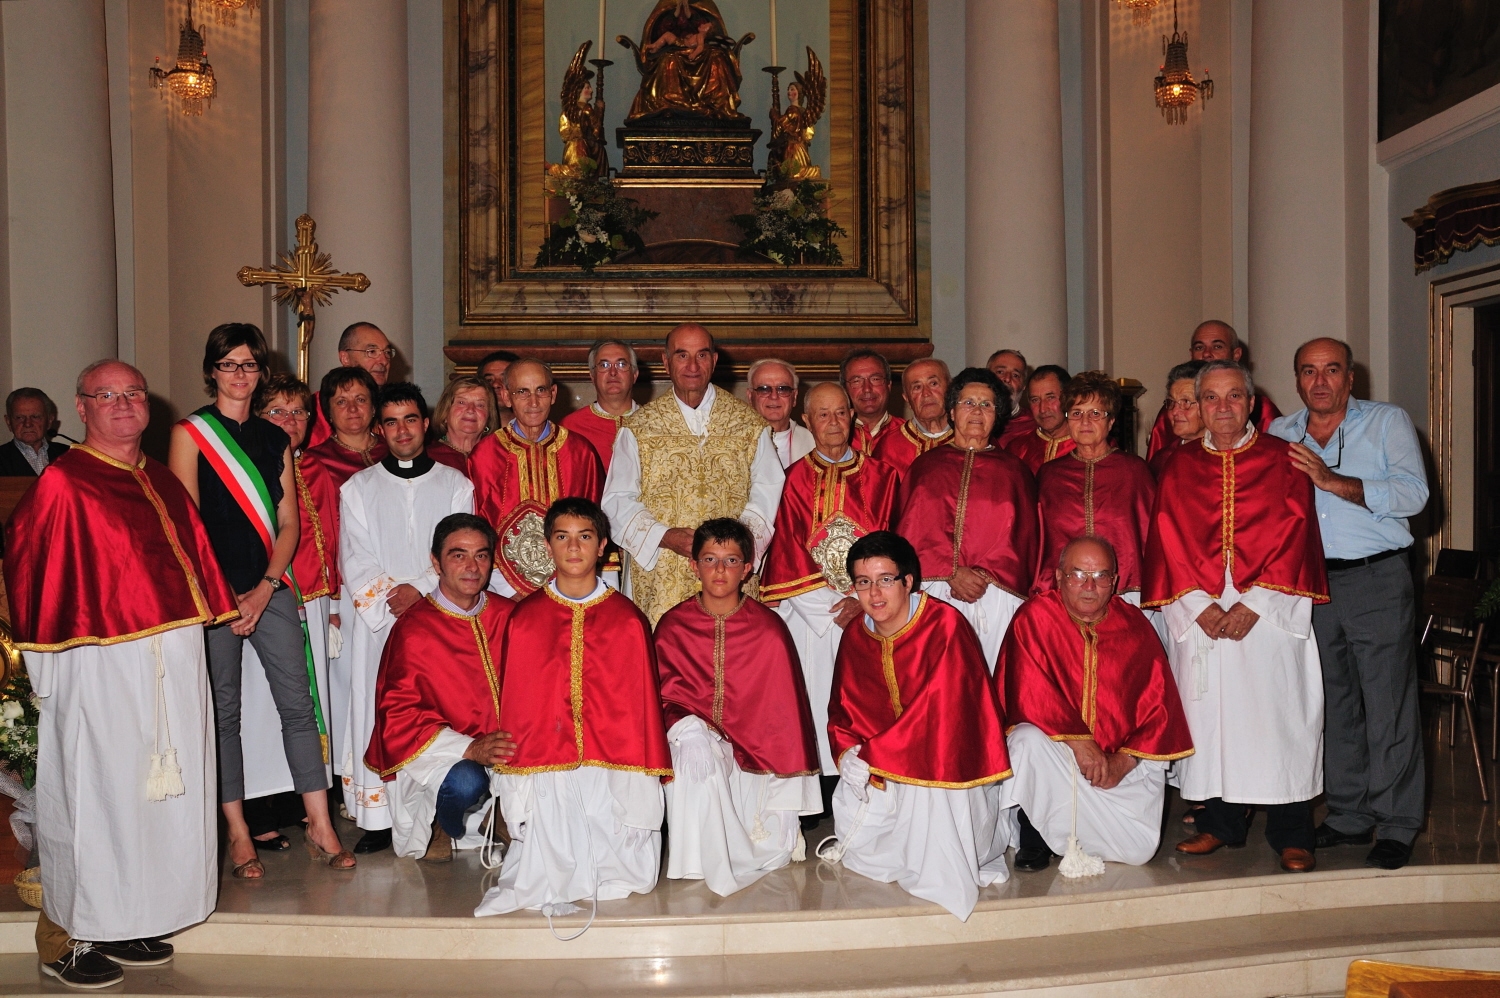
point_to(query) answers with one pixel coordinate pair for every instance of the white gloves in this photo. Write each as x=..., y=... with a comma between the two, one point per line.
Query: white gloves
x=856, y=772
x=695, y=754
x=335, y=641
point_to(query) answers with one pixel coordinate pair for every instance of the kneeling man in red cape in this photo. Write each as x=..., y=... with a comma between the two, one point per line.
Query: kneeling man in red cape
x=915, y=726
x=582, y=796
x=1094, y=716
x=437, y=700
x=741, y=732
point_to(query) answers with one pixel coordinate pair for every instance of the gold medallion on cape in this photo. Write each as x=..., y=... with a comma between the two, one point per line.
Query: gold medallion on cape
x=829, y=544
x=525, y=559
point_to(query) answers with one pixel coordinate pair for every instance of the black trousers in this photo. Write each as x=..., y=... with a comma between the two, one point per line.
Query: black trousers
x=1288, y=826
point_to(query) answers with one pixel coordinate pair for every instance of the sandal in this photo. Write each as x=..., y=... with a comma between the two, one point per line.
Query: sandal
x=251, y=869
x=279, y=844
x=341, y=860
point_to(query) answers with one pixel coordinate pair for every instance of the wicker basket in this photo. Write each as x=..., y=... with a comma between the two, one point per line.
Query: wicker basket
x=29, y=886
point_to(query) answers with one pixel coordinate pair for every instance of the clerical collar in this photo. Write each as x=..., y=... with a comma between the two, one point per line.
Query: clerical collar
x=415, y=468
x=599, y=589
x=515, y=427
x=442, y=600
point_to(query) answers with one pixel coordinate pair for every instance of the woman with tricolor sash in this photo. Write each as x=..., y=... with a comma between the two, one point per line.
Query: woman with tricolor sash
x=238, y=468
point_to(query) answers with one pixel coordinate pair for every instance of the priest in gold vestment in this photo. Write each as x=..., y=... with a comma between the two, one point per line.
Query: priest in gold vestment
x=692, y=455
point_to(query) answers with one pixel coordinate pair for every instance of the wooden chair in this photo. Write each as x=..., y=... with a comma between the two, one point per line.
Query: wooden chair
x=1451, y=646
x=1378, y=979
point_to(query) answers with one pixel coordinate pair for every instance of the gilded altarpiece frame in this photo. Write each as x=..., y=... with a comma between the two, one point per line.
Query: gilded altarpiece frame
x=497, y=297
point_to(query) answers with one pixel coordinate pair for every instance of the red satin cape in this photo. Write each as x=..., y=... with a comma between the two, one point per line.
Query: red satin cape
x=99, y=552
x=1018, y=425
x=1161, y=430
x=861, y=489
x=863, y=441
x=1109, y=680
x=899, y=446
x=449, y=455
x=1110, y=498
x=578, y=686
x=921, y=703
x=316, y=563
x=1250, y=503
x=341, y=463
x=741, y=675
x=439, y=670
x=985, y=498
x=1036, y=448
x=596, y=429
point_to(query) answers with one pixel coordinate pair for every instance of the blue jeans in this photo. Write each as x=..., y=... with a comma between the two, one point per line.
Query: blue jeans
x=466, y=784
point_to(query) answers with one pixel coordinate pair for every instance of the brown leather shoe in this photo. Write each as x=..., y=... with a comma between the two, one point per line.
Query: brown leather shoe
x=1204, y=843
x=1296, y=860
x=439, y=847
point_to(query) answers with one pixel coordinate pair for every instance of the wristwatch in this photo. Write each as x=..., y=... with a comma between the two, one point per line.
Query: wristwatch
x=276, y=584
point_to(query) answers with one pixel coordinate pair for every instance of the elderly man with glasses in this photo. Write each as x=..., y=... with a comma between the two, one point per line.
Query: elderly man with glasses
x=1366, y=463
x=613, y=369
x=772, y=391
x=30, y=416
x=364, y=346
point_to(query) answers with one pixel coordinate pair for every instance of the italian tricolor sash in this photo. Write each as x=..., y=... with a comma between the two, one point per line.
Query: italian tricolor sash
x=248, y=487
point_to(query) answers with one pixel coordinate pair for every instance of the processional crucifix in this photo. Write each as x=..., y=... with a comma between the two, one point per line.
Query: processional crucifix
x=305, y=281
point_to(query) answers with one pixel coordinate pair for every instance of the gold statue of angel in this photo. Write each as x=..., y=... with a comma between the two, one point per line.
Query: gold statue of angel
x=789, y=150
x=581, y=123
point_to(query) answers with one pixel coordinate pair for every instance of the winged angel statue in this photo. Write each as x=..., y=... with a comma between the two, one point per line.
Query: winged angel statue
x=789, y=150
x=581, y=123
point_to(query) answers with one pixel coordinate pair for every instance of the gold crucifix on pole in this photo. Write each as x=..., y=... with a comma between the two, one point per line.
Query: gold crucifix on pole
x=304, y=282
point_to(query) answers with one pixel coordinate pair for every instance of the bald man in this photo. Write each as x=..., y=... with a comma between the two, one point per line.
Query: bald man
x=1213, y=339
x=364, y=346
x=692, y=455
x=523, y=468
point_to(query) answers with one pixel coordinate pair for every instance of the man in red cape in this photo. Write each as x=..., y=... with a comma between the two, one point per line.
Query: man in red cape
x=832, y=497
x=1011, y=368
x=866, y=376
x=970, y=510
x=1235, y=561
x=437, y=700
x=916, y=727
x=924, y=385
x=1090, y=704
x=1212, y=340
x=613, y=368
x=111, y=581
x=524, y=467
x=741, y=732
x=582, y=795
x=1049, y=440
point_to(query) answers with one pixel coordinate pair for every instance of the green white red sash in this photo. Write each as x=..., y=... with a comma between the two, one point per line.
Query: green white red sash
x=248, y=488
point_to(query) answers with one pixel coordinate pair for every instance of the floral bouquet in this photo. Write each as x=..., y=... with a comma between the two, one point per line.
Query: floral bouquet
x=791, y=225
x=598, y=225
x=18, y=721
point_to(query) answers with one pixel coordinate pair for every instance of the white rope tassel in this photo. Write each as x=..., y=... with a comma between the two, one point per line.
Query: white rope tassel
x=165, y=779
x=492, y=853
x=1076, y=863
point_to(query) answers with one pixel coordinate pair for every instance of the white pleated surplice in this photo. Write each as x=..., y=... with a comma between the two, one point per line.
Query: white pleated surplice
x=816, y=638
x=989, y=615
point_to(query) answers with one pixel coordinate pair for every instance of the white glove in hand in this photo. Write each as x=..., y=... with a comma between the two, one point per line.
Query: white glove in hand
x=856, y=772
x=694, y=755
x=335, y=641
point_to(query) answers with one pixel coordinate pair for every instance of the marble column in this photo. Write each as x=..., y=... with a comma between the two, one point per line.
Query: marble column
x=359, y=168
x=1297, y=200
x=1015, y=265
x=60, y=198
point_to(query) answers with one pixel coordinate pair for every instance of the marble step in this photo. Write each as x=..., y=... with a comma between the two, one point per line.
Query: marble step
x=1291, y=953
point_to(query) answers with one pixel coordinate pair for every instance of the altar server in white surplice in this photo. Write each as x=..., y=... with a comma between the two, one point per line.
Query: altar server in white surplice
x=388, y=513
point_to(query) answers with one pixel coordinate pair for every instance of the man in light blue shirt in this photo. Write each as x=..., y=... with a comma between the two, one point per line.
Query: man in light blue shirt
x=1366, y=463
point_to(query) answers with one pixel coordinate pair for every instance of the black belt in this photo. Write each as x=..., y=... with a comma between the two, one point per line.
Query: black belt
x=1340, y=564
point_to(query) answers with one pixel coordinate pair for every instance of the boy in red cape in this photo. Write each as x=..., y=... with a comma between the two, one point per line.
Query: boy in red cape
x=916, y=729
x=1089, y=701
x=582, y=796
x=437, y=700
x=741, y=732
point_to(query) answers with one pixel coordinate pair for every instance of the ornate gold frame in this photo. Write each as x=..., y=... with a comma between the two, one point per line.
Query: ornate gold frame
x=495, y=298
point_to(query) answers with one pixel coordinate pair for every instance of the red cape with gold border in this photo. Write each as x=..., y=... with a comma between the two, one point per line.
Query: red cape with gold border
x=596, y=429
x=862, y=490
x=439, y=670
x=1109, y=681
x=1249, y=505
x=316, y=563
x=921, y=702
x=515, y=478
x=1161, y=430
x=863, y=441
x=100, y=552
x=341, y=463
x=899, y=446
x=741, y=675
x=1036, y=448
x=974, y=508
x=1109, y=498
x=579, y=687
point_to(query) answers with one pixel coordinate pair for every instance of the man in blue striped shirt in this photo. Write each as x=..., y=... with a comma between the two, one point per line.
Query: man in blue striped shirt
x=1367, y=465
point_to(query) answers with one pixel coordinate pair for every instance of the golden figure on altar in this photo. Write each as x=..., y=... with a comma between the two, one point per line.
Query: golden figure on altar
x=689, y=65
x=790, y=148
x=581, y=123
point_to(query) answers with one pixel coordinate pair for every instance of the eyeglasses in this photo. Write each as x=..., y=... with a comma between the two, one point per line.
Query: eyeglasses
x=525, y=394
x=26, y=418
x=1092, y=415
x=230, y=366
x=1078, y=576
x=279, y=413
x=781, y=391
x=370, y=353
x=132, y=396
x=623, y=364
x=874, y=380
x=1339, y=457
x=971, y=404
x=1183, y=404
x=863, y=585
